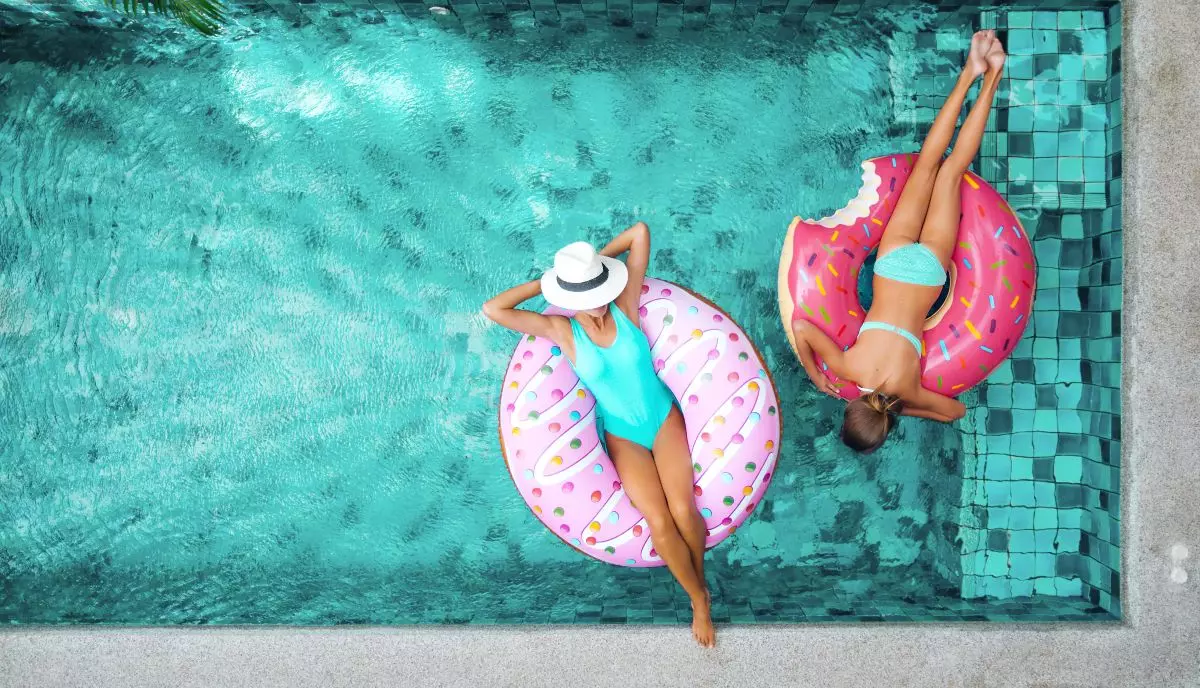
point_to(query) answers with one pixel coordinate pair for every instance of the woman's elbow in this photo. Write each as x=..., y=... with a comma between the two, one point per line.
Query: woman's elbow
x=490, y=310
x=958, y=412
x=800, y=330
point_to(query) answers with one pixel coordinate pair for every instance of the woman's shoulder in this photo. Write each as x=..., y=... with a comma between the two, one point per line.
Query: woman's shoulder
x=561, y=323
x=564, y=335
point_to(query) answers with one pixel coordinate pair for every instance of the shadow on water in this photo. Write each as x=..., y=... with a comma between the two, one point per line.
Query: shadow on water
x=64, y=45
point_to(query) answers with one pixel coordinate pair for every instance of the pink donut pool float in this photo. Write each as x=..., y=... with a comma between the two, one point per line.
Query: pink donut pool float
x=992, y=277
x=552, y=449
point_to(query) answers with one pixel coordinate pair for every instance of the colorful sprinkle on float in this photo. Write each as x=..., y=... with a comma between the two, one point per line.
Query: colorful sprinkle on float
x=551, y=446
x=993, y=277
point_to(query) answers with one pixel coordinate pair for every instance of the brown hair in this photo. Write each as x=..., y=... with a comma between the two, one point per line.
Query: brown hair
x=868, y=421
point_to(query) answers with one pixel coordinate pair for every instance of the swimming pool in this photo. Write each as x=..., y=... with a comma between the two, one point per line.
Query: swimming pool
x=245, y=376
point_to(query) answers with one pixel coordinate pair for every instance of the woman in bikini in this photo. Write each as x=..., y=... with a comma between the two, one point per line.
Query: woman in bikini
x=914, y=254
x=644, y=430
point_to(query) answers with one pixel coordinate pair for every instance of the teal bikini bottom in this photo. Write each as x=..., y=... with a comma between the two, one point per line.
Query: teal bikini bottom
x=643, y=433
x=912, y=264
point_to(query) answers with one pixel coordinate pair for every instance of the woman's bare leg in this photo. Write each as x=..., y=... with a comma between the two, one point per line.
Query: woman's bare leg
x=904, y=227
x=635, y=468
x=940, y=232
x=673, y=460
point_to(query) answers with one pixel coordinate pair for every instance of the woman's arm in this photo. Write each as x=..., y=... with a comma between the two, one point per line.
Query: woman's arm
x=934, y=406
x=809, y=341
x=502, y=310
x=636, y=240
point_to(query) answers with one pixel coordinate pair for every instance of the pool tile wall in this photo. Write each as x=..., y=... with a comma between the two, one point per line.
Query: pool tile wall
x=1041, y=510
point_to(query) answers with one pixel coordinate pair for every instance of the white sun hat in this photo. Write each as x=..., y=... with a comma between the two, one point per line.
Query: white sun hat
x=583, y=279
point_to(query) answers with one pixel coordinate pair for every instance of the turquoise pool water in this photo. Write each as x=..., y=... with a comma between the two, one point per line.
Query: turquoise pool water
x=244, y=375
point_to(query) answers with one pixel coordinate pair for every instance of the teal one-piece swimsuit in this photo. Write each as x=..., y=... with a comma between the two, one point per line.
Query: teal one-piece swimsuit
x=632, y=401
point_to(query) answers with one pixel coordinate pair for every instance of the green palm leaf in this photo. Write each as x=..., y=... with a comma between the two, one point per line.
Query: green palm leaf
x=204, y=16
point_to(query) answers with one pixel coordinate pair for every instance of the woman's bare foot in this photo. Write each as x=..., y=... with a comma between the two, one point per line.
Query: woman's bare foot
x=702, y=625
x=996, y=55
x=977, y=57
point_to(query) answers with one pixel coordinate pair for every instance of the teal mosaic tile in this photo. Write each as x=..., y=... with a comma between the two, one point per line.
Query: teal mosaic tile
x=1071, y=169
x=1068, y=469
x=1070, y=20
x=1045, y=20
x=1019, y=19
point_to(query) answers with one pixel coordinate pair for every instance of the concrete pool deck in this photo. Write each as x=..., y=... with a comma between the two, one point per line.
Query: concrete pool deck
x=1157, y=644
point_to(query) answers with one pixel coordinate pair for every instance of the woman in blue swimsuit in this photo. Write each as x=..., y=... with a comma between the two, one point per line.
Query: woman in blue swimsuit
x=644, y=430
x=914, y=253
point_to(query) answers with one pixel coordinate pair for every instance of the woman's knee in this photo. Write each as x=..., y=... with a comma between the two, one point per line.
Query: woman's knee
x=947, y=183
x=926, y=169
x=658, y=517
x=683, y=510
x=953, y=169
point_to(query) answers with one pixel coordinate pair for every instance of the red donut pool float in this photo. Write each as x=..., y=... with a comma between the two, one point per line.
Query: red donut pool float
x=552, y=449
x=992, y=277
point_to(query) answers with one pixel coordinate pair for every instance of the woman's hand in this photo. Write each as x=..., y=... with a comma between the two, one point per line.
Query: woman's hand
x=822, y=383
x=827, y=386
